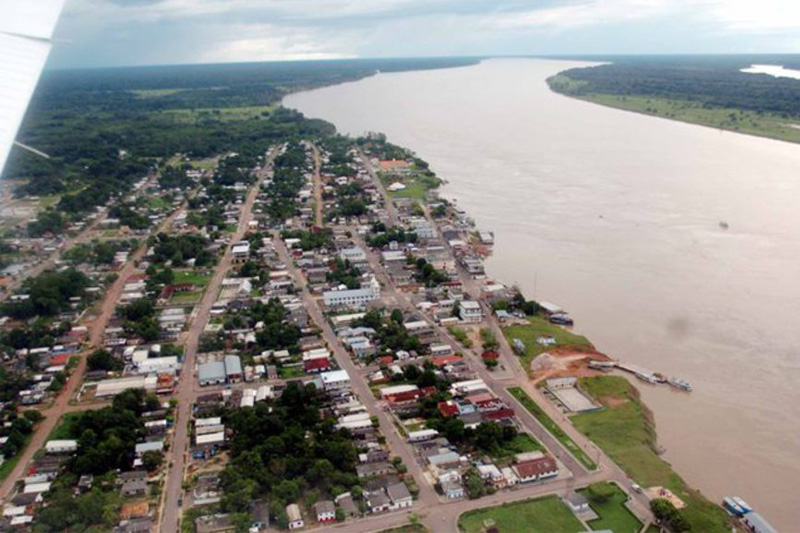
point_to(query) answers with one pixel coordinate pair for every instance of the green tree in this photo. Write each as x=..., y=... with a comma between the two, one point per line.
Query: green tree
x=152, y=460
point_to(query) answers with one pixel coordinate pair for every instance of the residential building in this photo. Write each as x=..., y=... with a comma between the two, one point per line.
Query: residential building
x=536, y=469
x=294, y=517
x=54, y=447
x=469, y=311
x=400, y=496
x=326, y=511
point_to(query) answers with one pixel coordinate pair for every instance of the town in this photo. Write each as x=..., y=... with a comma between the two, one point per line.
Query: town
x=291, y=341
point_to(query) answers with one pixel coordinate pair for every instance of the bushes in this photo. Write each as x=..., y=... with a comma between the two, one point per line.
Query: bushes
x=665, y=512
x=103, y=360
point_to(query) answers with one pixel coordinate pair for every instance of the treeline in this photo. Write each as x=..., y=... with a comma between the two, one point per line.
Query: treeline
x=288, y=178
x=710, y=81
x=195, y=86
x=47, y=294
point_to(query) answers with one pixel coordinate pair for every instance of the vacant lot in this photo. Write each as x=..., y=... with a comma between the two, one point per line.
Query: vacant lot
x=539, y=327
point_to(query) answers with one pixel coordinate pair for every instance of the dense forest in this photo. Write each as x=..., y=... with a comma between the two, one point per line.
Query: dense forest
x=106, y=127
x=714, y=81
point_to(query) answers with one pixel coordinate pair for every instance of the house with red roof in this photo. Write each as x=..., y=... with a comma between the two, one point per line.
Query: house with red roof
x=448, y=408
x=315, y=366
x=499, y=415
x=442, y=360
x=536, y=469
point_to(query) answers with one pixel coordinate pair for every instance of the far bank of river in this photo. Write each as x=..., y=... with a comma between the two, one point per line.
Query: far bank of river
x=615, y=216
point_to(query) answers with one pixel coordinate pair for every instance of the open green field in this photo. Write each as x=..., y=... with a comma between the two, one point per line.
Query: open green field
x=223, y=114
x=155, y=93
x=417, y=185
x=204, y=164
x=288, y=372
x=741, y=121
x=538, y=327
x=613, y=514
x=186, y=297
x=542, y=515
x=157, y=202
x=200, y=279
x=626, y=432
x=545, y=420
x=64, y=428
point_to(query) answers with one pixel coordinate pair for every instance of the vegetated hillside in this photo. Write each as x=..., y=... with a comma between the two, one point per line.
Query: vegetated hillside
x=713, y=81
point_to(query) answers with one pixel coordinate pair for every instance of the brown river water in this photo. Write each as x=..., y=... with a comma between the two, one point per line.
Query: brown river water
x=616, y=217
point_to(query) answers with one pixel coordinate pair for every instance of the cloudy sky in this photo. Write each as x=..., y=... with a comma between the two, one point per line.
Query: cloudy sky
x=140, y=32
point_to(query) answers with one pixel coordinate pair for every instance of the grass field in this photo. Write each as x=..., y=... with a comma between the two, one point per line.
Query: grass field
x=186, y=297
x=740, y=121
x=288, y=372
x=613, y=514
x=64, y=428
x=204, y=164
x=543, y=418
x=625, y=431
x=223, y=114
x=417, y=185
x=154, y=93
x=543, y=515
x=538, y=327
x=200, y=279
x=157, y=202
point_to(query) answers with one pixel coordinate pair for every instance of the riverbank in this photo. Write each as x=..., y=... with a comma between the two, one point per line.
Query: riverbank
x=759, y=124
x=625, y=431
x=595, y=205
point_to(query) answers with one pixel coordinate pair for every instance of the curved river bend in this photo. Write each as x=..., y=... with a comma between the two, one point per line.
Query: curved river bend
x=615, y=216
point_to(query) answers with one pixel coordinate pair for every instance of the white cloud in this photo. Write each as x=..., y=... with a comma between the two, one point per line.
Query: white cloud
x=268, y=43
x=762, y=16
x=592, y=13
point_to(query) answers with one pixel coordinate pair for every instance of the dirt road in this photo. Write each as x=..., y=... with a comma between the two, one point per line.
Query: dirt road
x=177, y=455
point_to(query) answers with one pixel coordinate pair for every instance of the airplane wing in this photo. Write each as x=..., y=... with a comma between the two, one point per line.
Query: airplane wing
x=26, y=30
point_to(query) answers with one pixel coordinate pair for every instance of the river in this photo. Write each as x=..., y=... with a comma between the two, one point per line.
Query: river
x=616, y=217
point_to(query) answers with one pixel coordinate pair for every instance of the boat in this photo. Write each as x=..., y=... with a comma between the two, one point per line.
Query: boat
x=561, y=319
x=732, y=507
x=743, y=504
x=680, y=384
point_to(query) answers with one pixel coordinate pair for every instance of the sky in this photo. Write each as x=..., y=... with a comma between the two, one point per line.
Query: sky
x=96, y=33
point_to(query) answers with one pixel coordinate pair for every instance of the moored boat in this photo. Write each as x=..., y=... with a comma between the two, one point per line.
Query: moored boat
x=680, y=384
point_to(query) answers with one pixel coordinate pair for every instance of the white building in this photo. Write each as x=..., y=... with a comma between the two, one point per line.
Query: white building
x=335, y=379
x=61, y=446
x=353, y=298
x=470, y=311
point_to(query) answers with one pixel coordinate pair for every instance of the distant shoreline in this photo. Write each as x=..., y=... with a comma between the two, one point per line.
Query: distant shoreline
x=765, y=125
